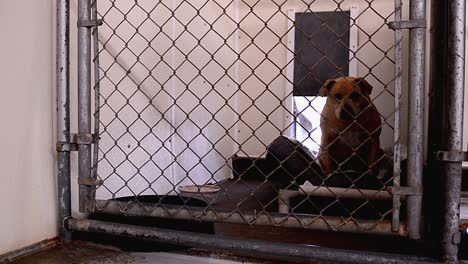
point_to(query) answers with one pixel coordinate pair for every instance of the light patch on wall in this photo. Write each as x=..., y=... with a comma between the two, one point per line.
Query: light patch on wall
x=307, y=128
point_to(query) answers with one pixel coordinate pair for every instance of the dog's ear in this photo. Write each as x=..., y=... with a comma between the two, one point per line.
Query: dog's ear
x=326, y=87
x=366, y=88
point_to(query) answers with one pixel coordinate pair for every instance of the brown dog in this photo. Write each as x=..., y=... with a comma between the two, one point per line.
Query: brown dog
x=350, y=126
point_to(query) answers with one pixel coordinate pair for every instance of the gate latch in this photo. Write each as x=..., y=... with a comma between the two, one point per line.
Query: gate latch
x=409, y=24
x=75, y=141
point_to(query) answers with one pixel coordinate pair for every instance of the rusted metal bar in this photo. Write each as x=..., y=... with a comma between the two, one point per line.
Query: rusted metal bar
x=416, y=117
x=62, y=72
x=446, y=121
x=97, y=89
x=86, y=199
x=397, y=122
x=327, y=223
x=243, y=245
x=453, y=130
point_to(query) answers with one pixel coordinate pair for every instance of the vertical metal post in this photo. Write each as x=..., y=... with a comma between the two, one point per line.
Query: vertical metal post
x=84, y=105
x=94, y=16
x=63, y=115
x=446, y=119
x=396, y=135
x=453, y=130
x=416, y=117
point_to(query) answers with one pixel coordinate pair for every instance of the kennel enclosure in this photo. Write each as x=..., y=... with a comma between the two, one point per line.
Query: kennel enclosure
x=197, y=93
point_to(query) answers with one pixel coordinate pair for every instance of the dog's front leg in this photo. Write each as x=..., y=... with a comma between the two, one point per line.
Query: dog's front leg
x=326, y=161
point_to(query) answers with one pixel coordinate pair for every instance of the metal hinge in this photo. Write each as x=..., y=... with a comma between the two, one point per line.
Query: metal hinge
x=65, y=147
x=409, y=24
x=83, y=139
x=89, y=181
x=75, y=140
x=90, y=23
x=451, y=156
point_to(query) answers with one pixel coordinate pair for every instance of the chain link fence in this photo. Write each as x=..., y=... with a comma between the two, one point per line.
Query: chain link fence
x=220, y=110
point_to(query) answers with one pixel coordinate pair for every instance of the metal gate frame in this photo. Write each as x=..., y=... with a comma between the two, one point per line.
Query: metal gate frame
x=445, y=132
x=448, y=18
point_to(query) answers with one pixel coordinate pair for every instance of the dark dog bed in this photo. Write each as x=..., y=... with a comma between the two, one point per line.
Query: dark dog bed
x=291, y=164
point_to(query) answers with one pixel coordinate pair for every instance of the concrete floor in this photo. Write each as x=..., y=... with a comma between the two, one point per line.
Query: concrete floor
x=87, y=253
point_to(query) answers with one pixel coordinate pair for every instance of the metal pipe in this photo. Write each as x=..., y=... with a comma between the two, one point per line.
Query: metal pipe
x=327, y=223
x=446, y=117
x=97, y=88
x=243, y=245
x=397, y=122
x=86, y=200
x=335, y=192
x=416, y=117
x=453, y=130
x=62, y=72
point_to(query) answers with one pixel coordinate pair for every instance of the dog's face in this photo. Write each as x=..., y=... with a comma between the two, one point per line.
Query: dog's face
x=348, y=96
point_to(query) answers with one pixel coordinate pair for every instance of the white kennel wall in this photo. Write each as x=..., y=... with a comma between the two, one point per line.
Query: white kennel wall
x=165, y=158
x=26, y=109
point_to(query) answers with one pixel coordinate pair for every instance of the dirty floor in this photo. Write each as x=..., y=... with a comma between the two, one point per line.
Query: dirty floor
x=87, y=253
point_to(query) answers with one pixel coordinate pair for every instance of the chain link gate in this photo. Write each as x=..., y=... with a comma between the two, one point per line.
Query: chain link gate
x=203, y=103
x=184, y=88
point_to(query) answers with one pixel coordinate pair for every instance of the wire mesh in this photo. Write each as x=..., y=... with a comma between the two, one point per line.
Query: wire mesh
x=205, y=95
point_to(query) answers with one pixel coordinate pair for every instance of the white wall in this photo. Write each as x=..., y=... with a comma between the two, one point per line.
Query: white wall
x=187, y=153
x=27, y=191
x=165, y=158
